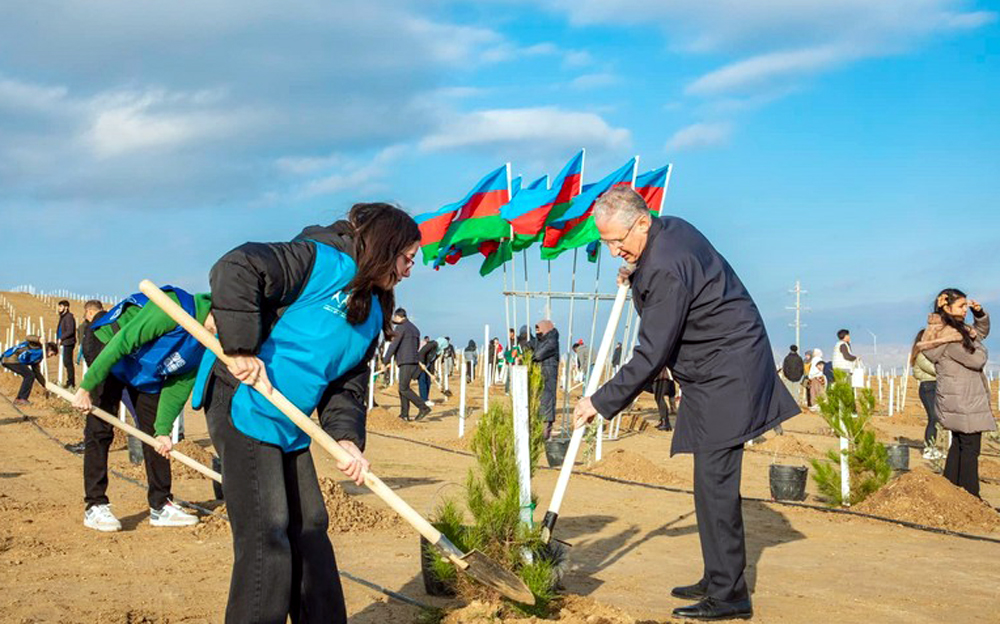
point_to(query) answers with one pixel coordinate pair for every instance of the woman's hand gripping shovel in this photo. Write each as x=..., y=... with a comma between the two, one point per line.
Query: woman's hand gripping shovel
x=474, y=563
x=552, y=514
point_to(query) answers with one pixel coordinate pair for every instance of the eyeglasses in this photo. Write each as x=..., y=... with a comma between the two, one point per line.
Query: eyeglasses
x=410, y=260
x=616, y=243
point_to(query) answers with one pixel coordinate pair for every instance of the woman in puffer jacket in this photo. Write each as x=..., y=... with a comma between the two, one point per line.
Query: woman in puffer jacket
x=963, y=396
x=924, y=373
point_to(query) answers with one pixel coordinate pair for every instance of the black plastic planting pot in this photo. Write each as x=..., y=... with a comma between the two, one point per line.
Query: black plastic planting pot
x=134, y=450
x=433, y=585
x=899, y=456
x=788, y=482
x=555, y=450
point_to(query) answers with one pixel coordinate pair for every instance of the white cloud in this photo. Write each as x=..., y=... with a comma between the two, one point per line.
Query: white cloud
x=594, y=81
x=700, y=135
x=765, y=69
x=549, y=126
x=577, y=58
x=354, y=175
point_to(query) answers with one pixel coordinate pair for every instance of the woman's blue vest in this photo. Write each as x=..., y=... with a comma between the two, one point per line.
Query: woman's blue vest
x=311, y=345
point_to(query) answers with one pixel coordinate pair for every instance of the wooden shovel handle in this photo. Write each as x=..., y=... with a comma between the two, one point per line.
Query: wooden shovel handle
x=306, y=424
x=144, y=437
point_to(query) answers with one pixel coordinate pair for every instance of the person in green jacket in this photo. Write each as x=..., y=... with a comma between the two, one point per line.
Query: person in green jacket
x=146, y=354
x=925, y=373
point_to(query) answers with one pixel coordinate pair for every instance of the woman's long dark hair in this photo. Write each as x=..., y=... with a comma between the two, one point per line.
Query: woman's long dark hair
x=949, y=296
x=381, y=233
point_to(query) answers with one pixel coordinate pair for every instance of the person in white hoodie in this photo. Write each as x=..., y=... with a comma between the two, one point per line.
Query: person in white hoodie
x=817, y=380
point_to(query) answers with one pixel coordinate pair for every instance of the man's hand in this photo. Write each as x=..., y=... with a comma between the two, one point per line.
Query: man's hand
x=584, y=413
x=210, y=324
x=624, y=273
x=81, y=400
x=250, y=369
x=165, y=445
x=355, y=468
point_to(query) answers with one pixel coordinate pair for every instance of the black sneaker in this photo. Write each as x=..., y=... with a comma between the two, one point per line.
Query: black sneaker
x=424, y=411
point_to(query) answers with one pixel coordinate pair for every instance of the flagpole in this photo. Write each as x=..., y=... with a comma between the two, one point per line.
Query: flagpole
x=593, y=322
x=548, y=299
x=527, y=299
x=568, y=376
x=506, y=302
x=513, y=271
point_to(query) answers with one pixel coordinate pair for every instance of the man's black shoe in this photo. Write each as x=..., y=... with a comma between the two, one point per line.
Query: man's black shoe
x=404, y=418
x=691, y=592
x=423, y=413
x=711, y=609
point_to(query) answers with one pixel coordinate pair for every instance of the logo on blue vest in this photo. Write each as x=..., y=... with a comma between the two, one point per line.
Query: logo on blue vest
x=338, y=304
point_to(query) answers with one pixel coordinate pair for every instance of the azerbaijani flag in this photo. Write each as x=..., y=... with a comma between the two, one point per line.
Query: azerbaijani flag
x=576, y=227
x=652, y=185
x=438, y=228
x=478, y=217
x=497, y=253
x=530, y=210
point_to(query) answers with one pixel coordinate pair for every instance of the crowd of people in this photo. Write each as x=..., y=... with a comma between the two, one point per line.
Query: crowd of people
x=312, y=314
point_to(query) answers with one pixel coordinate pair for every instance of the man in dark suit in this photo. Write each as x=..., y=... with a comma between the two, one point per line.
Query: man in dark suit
x=698, y=319
x=405, y=347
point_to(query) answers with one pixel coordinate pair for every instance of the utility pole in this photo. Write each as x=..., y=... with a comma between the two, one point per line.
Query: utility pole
x=874, y=342
x=798, y=325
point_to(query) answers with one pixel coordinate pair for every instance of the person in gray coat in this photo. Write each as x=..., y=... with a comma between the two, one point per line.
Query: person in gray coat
x=697, y=318
x=545, y=351
x=962, y=394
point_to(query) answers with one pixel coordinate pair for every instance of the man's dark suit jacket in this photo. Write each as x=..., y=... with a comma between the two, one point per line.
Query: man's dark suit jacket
x=698, y=319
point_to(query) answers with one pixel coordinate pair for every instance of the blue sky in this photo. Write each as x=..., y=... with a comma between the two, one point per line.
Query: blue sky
x=847, y=143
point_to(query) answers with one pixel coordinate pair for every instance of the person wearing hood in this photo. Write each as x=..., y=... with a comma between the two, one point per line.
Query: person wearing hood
x=523, y=339
x=304, y=316
x=962, y=393
x=471, y=358
x=545, y=351
x=817, y=379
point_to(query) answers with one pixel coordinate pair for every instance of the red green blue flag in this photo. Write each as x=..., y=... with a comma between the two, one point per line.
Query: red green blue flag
x=576, y=227
x=477, y=218
x=652, y=186
x=530, y=210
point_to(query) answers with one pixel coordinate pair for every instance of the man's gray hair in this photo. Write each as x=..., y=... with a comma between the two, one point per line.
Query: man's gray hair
x=621, y=203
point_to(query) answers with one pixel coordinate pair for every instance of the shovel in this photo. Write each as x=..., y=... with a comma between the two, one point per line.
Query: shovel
x=64, y=394
x=437, y=381
x=474, y=563
x=552, y=514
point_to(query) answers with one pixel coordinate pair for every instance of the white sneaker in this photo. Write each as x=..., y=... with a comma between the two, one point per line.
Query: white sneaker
x=171, y=516
x=100, y=518
x=931, y=453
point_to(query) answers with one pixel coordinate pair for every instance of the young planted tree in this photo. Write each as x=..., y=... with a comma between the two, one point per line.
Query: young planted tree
x=867, y=459
x=492, y=500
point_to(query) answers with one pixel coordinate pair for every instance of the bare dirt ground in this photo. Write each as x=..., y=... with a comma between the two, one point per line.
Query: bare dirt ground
x=630, y=543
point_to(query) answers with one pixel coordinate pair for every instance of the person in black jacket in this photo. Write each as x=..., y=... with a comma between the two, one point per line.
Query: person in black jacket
x=792, y=371
x=697, y=318
x=545, y=351
x=427, y=356
x=66, y=336
x=405, y=346
x=305, y=316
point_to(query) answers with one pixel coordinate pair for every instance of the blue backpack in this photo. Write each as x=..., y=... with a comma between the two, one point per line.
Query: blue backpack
x=174, y=353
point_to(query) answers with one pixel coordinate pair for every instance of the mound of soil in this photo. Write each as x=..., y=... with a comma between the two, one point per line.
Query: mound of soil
x=379, y=419
x=61, y=418
x=349, y=515
x=926, y=498
x=989, y=469
x=568, y=610
x=212, y=525
x=787, y=445
x=622, y=464
x=196, y=452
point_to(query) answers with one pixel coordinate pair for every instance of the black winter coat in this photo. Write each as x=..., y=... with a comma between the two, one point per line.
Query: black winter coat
x=698, y=319
x=428, y=355
x=546, y=350
x=67, y=329
x=793, y=367
x=252, y=286
x=405, y=344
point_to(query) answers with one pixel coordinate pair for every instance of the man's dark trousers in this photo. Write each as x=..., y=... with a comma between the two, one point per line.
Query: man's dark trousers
x=407, y=373
x=718, y=505
x=67, y=360
x=28, y=376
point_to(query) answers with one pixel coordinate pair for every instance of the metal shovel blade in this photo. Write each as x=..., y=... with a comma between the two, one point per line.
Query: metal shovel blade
x=489, y=573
